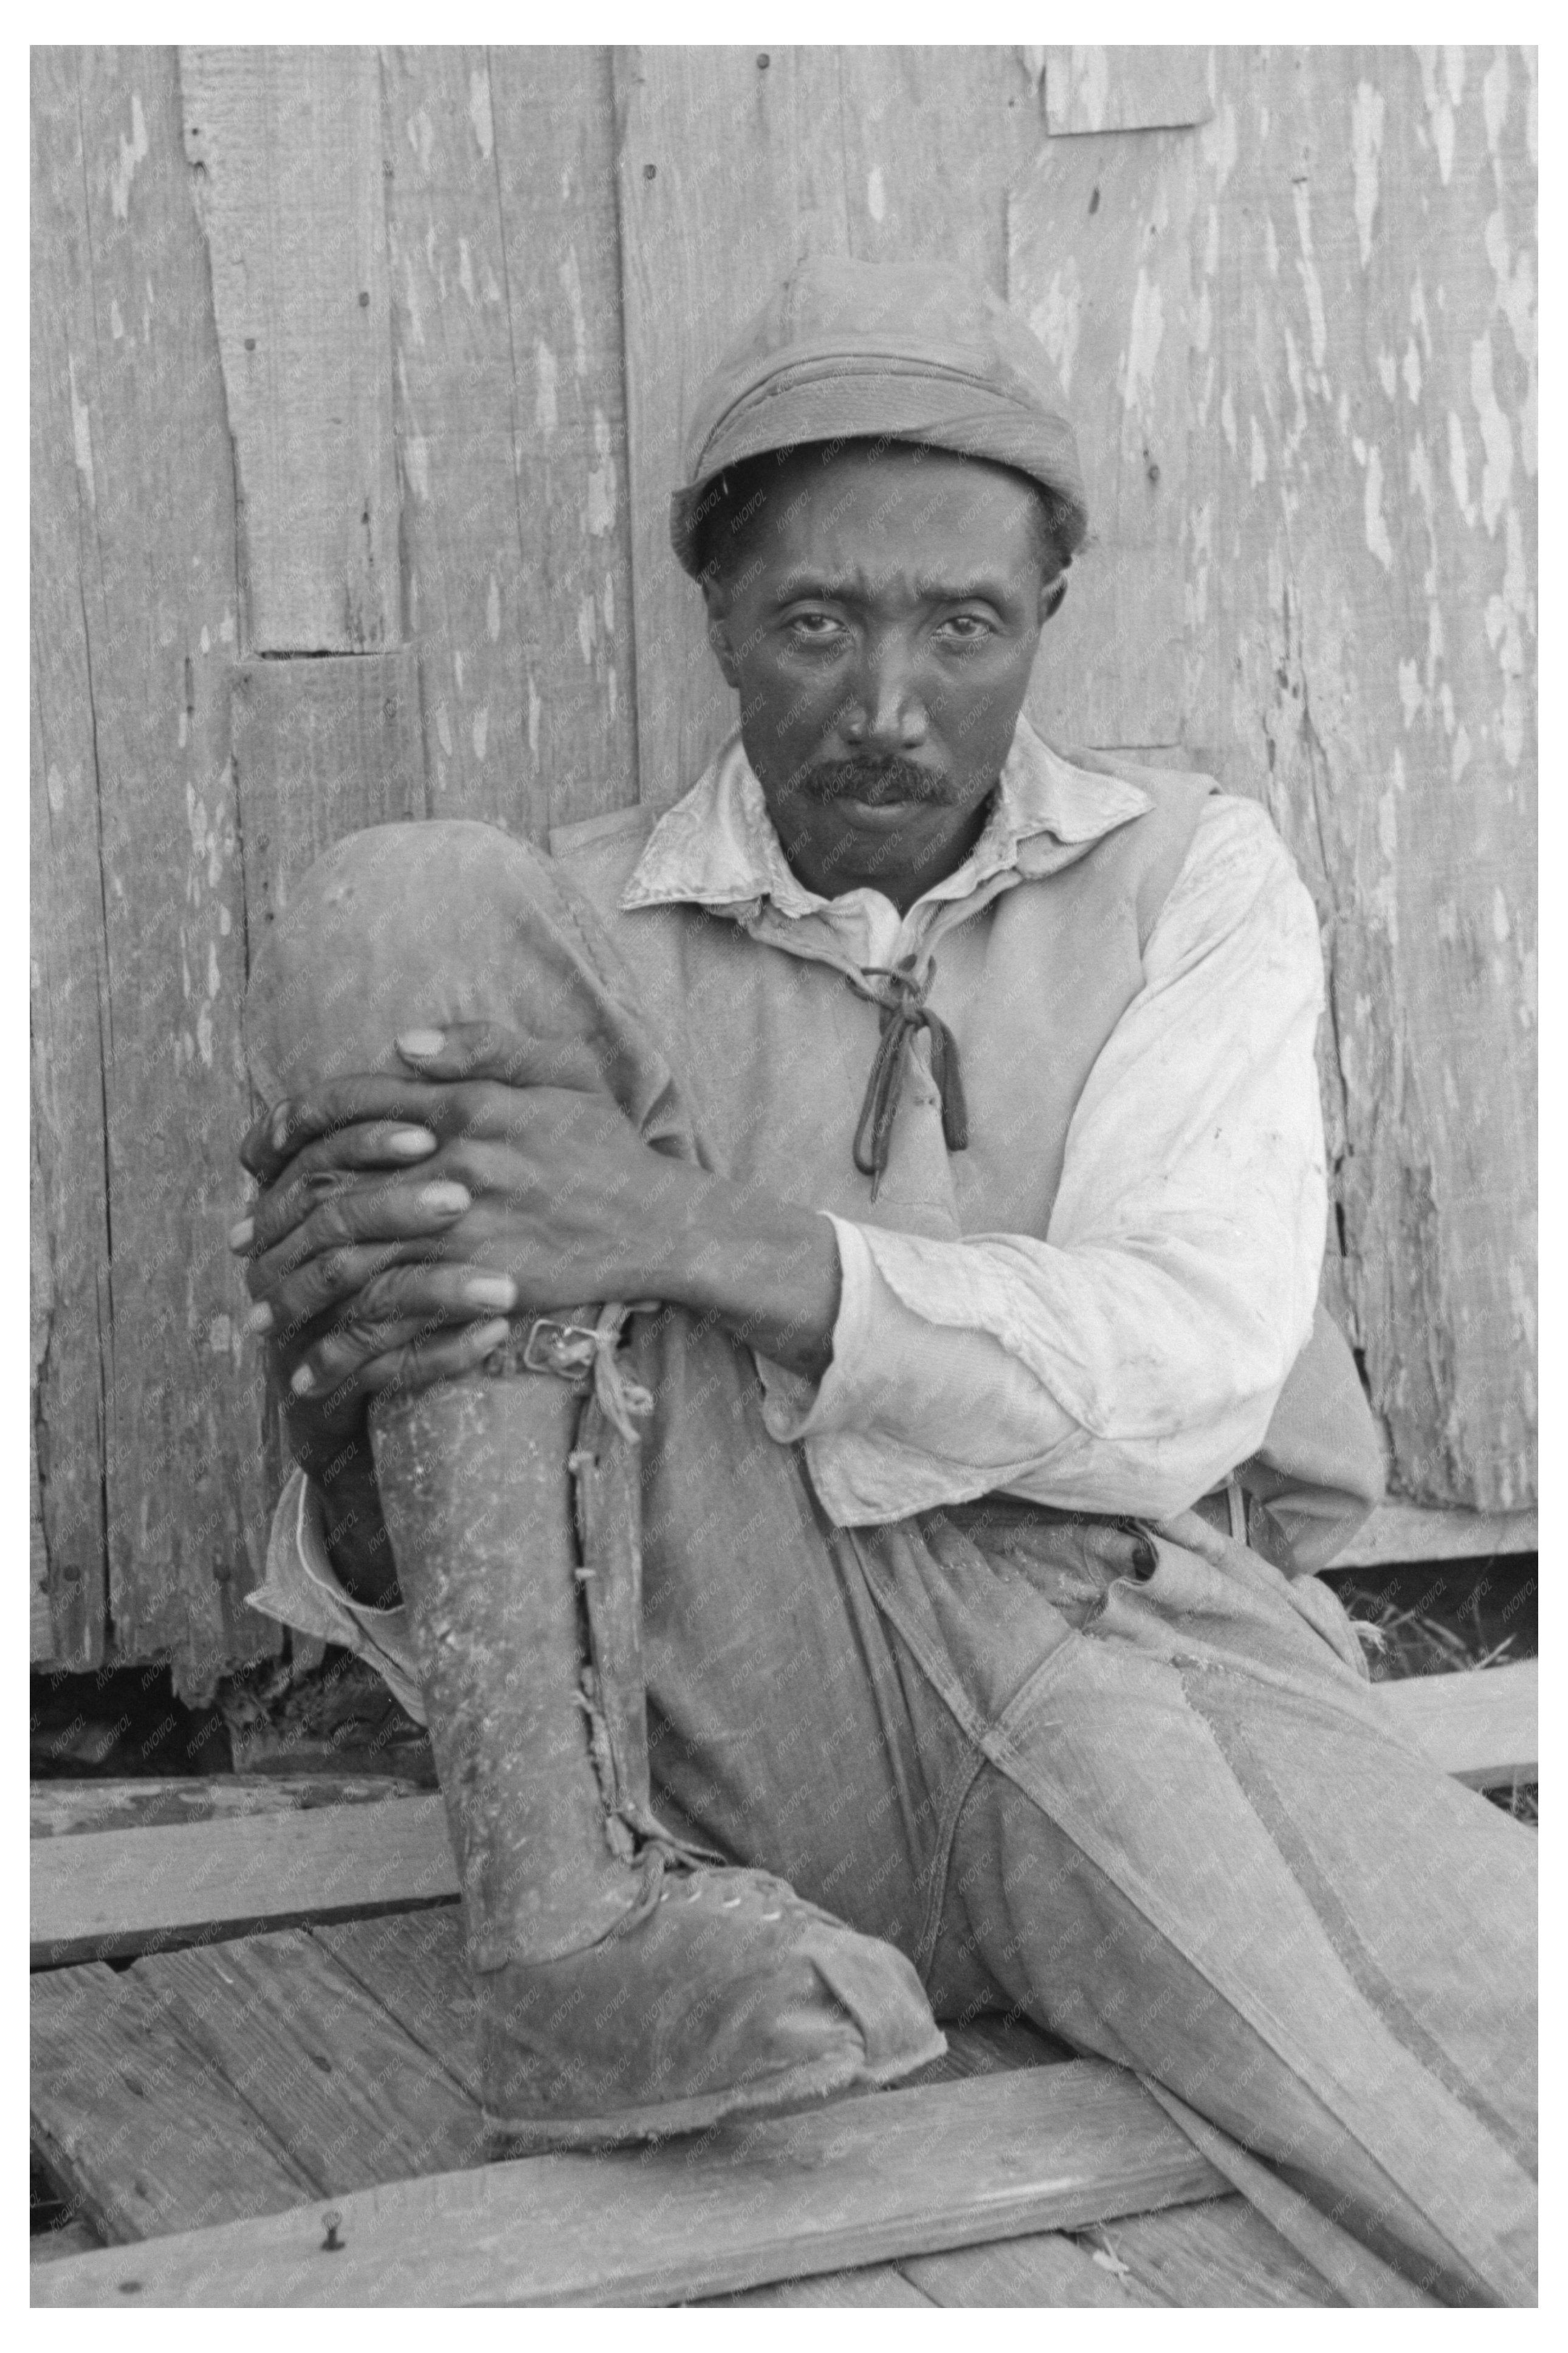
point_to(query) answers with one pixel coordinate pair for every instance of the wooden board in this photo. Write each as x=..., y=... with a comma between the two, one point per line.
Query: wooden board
x=856, y=2183
x=351, y=2099
x=732, y=163
x=284, y=147
x=140, y=1083
x=1482, y=1727
x=135, y=2125
x=1099, y=267
x=1361, y=541
x=511, y=423
x=123, y=1891
x=1133, y=89
x=1397, y=1533
x=69, y=967
x=118, y=1891
x=323, y=748
x=1219, y=2254
x=66, y=1809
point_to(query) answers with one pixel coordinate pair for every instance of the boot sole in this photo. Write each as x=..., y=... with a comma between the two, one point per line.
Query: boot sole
x=663, y=2120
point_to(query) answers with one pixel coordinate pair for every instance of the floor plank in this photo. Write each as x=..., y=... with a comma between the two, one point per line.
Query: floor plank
x=860, y=2182
x=412, y=1964
x=353, y=2098
x=66, y=1809
x=111, y=1891
x=1049, y=2269
x=115, y=1892
x=876, y=2287
x=134, y=2124
x=1481, y=1726
x=1217, y=2253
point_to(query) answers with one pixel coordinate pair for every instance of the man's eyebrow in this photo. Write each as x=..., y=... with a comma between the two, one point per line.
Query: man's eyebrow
x=843, y=587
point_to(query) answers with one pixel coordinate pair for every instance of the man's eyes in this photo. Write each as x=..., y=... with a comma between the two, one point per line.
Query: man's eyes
x=825, y=629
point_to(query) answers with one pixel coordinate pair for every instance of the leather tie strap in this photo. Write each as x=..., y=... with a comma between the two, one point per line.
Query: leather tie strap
x=904, y=1011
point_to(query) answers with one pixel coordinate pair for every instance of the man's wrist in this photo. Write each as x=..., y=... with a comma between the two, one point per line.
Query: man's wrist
x=767, y=1270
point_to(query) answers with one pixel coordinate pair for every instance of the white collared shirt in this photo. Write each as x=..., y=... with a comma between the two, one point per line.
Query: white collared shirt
x=1129, y=1358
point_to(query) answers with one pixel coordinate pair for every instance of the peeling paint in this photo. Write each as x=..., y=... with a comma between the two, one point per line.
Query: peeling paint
x=481, y=730
x=1220, y=143
x=876, y=195
x=545, y=413
x=81, y=434
x=133, y=150
x=1459, y=467
x=1377, y=538
x=1366, y=146
x=421, y=138
x=465, y=268
x=1057, y=320
x=442, y=728
x=1144, y=335
x=493, y=611
x=1497, y=441
x=586, y=625
x=572, y=286
x=602, y=493
x=480, y=111
x=1308, y=271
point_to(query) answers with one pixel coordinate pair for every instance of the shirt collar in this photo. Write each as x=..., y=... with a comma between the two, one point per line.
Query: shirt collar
x=717, y=848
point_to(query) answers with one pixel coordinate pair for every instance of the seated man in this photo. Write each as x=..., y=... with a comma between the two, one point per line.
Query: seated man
x=804, y=1262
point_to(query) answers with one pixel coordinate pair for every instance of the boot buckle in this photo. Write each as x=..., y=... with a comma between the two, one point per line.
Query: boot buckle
x=567, y=1350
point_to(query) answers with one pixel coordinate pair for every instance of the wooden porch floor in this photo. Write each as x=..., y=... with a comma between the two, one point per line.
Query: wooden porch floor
x=258, y=2102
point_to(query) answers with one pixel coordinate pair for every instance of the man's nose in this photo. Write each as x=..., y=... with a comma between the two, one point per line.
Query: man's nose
x=886, y=711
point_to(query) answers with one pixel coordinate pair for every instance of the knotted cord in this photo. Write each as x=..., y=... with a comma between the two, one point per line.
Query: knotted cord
x=901, y=997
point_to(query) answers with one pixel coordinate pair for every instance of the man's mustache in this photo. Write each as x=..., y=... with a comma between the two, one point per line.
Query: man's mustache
x=875, y=781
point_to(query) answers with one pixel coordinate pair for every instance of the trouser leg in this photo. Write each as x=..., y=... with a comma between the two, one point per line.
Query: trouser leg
x=626, y=1990
x=1194, y=1849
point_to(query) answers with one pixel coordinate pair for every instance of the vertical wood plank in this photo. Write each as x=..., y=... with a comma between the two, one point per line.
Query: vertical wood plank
x=1141, y=88
x=510, y=422
x=732, y=163
x=135, y=397
x=285, y=146
x=69, y=970
x=1099, y=267
x=1361, y=573
x=322, y=749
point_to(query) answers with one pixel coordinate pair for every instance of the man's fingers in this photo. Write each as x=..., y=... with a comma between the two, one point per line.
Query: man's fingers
x=416, y=1362
x=486, y=1049
x=326, y=1167
x=344, y=1227
x=298, y=1119
x=409, y=1292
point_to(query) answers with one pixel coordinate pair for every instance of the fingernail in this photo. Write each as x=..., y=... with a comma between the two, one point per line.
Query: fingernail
x=242, y=1233
x=413, y=1142
x=490, y=1290
x=303, y=1382
x=444, y=1195
x=261, y=1319
x=487, y=1336
x=279, y=1127
x=421, y=1041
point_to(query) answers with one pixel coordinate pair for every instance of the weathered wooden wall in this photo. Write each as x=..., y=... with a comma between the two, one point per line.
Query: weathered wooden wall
x=1313, y=319
x=357, y=386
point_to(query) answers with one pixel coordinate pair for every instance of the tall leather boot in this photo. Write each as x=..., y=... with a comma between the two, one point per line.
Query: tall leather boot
x=630, y=1985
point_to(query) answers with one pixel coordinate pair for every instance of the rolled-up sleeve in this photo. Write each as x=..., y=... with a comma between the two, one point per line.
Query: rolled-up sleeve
x=1132, y=1359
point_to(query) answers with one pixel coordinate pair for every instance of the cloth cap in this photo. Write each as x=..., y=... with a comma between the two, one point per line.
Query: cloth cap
x=907, y=350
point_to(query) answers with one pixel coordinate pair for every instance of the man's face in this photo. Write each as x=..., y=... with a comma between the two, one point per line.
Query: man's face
x=881, y=627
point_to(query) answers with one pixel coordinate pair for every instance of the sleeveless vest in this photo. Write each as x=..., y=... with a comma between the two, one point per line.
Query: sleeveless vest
x=1031, y=976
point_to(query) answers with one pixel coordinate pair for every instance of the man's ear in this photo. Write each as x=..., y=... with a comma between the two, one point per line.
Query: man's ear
x=718, y=636
x=1051, y=597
